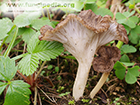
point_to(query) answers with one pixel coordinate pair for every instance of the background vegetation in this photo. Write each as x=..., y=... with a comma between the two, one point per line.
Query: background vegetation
x=42, y=72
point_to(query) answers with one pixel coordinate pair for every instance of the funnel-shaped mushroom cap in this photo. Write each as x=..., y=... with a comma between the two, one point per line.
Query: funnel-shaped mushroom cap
x=82, y=35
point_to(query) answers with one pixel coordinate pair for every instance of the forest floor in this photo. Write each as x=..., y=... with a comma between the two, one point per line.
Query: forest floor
x=58, y=87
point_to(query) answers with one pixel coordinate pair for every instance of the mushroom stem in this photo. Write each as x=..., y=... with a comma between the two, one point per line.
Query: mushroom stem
x=81, y=80
x=99, y=84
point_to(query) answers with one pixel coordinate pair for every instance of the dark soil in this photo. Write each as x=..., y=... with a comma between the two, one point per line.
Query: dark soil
x=113, y=92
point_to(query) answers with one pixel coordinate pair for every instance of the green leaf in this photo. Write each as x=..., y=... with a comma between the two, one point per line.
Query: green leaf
x=90, y=1
x=134, y=35
x=127, y=28
x=56, y=69
x=120, y=16
x=134, y=19
x=103, y=12
x=38, y=23
x=92, y=6
x=131, y=75
x=128, y=64
x=130, y=79
x=125, y=58
x=25, y=19
x=134, y=71
x=5, y=27
x=2, y=86
x=18, y=93
x=27, y=35
x=28, y=65
x=44, y=50
x=128, y=49
x=128, y=14
x=33, y=42
x=123, y=18
x=49, y=67
x=131, y=21
x=119, y=70
x=7, y=68
x=10, y=36
x=79, y=5
x=47, y=50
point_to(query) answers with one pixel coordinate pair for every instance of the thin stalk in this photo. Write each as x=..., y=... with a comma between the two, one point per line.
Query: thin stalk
x=119, y=44
x=137, y=9
x=7, y=36
x=45, y=94
x=24, y=77
x=35, y=97
x=11, y=44
x=99, y=84
x=40, y=70
x=19, y=56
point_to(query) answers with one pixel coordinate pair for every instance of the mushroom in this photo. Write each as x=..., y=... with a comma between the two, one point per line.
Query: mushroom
x=82, y=35
x=104, y=62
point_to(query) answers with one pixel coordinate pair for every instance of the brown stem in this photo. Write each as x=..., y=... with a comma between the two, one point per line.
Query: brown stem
x=24, y=77
x=35, y=97
x=40, y=70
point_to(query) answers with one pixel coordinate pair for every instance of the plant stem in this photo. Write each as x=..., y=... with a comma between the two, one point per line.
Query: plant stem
x=35, y=97
x=99, y=84
x=19, y=56
x=24, y=77
x=11, y=44
x=7, y=36
x=136, y=9
x=119, y=44
x=40, y=70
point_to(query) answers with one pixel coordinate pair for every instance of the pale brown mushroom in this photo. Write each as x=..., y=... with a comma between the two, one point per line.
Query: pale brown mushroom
x=104, y=62
x=82, y=35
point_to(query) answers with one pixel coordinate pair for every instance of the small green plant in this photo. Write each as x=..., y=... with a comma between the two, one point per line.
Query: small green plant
x=25, y=29
x=115, y=101
x=63, y=94
x=85, y=100
x=17, y=90
x=71, y=102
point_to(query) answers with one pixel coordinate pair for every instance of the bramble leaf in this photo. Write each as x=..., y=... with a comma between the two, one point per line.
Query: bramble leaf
x=47, y=50
x=5, y=27
x=2, y=86
x=7, y=68
x=27, y=35
x=119, y=70
x=28, y=65
x=25, y=19
x=33, y=42
x=17, y=93
x=38, y=23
